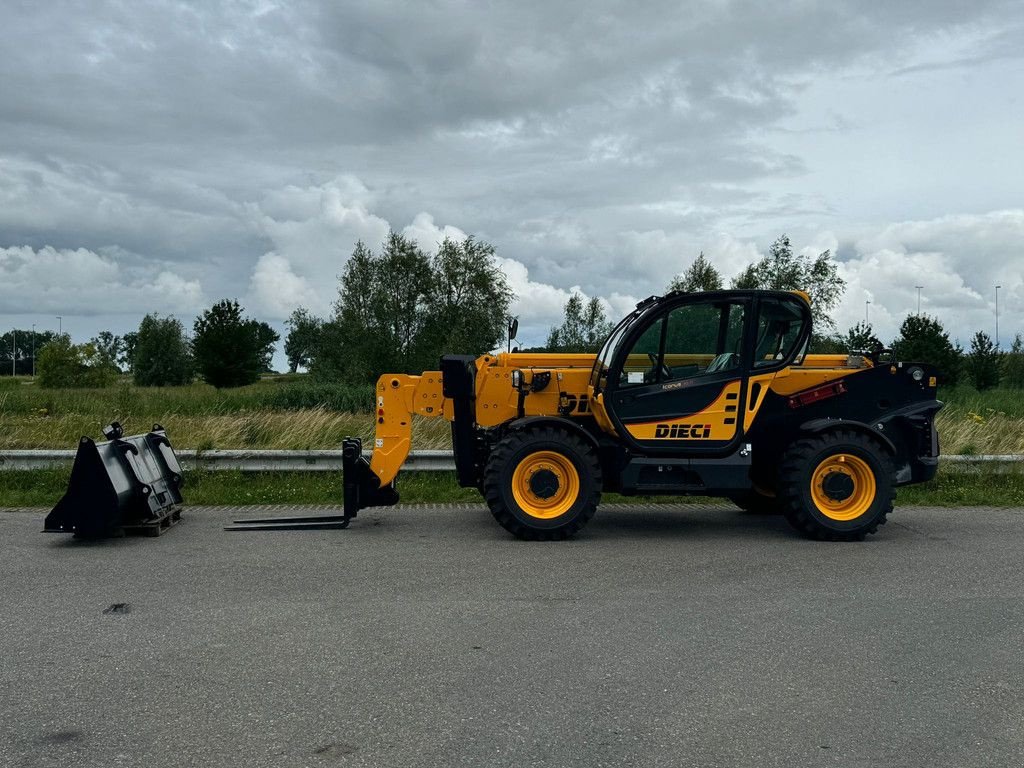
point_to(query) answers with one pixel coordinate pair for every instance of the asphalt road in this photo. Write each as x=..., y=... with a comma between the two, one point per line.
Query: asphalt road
x=681, y=636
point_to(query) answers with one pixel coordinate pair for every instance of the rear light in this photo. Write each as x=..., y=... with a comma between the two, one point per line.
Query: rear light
x=817, y=394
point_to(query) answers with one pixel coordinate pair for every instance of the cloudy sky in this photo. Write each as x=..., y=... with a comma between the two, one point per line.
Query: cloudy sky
x=160, y=156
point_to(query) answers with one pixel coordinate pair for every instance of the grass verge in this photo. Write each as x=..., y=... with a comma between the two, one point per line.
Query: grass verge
x=42, y=488
x=301, y=414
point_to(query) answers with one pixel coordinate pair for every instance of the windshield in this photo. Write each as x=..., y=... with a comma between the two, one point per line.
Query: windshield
x=779, y=328
x=604, y=357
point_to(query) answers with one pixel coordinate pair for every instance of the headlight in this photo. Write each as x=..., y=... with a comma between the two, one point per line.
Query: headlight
x=916, y=373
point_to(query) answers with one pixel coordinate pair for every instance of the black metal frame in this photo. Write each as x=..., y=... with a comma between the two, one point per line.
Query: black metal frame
x=125, y=482
x=360, y=489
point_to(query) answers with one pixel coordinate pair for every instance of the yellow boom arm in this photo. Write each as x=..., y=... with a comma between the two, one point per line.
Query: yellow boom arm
x=399, y=396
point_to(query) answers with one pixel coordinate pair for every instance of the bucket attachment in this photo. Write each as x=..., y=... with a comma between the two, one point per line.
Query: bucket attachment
x=126, y=484
x=361, y=488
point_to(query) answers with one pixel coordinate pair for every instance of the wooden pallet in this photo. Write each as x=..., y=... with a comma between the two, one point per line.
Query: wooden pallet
x=154, y=527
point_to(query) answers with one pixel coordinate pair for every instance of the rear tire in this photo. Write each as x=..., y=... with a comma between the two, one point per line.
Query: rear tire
x=837, y=486
x=542, y=484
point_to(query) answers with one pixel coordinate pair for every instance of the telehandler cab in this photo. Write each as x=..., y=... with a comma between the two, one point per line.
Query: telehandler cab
x=707, y=394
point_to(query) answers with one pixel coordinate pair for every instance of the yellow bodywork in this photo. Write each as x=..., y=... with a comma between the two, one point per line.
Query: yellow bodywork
x=399, y=396
x=569, y=393
x=716, y=422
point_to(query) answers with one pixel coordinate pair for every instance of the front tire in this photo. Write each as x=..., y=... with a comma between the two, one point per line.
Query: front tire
x=836, y=487
x=542, y=484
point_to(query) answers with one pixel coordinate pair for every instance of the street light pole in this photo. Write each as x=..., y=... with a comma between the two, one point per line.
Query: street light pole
x=997, y=315
x=33, y=350
x=14, y=352
x=60, y=325
x=919, y=287
x=866, y=305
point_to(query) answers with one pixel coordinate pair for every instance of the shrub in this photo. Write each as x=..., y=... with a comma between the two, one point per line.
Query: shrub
x=983, y=362
x=1013, y=365
x=336, y=397
x=922, y=339
x=160, y=353
x=63, y=365
x=231, y=351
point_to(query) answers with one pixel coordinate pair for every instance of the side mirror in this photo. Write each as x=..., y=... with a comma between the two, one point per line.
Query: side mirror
x=513, y=329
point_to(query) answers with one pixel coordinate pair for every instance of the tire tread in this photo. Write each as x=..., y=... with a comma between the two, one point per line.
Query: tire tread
x=502, y=456
x=791, y=478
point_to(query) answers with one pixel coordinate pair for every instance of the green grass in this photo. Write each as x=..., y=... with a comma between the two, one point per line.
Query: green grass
x=294, y=412
x=966, y=489
x=280, y=412
x=42, y=488
x=1008, y=402
x=277, y=393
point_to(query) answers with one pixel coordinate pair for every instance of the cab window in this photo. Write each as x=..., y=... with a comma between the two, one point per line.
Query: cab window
x=697, y=339
x=641, y=364
x=778, y=330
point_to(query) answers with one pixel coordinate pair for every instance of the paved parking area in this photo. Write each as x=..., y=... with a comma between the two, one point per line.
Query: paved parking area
x=671, y=636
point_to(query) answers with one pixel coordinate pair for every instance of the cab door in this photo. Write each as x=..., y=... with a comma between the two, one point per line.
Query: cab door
x=677, y=383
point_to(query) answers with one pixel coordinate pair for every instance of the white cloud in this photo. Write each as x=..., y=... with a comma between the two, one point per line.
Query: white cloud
x=541, y=306
x=957, y=260
x=730, y=255
x=428, y=235
x=277, y=290
x=83, y=282
x=176, y=292
x=608, y=158
x=313, y=231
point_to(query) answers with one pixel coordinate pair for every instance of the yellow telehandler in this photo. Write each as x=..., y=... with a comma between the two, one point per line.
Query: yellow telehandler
x=708, y=394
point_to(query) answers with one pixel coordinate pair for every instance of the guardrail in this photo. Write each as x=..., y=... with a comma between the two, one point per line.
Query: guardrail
x=242, y=460
x=330, y=461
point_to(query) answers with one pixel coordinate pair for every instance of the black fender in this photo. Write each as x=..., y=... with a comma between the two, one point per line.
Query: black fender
x=554, y=421
x=816, y=426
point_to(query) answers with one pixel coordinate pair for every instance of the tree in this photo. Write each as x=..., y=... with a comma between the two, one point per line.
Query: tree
x=584, y=328
x=923, y=339
x=304, y=332
x=403, y=284
x=469, y=300
x=699, y=276
x=127, y=358
x=24, y=344
x=63, y=365
x=401, y=310
x=1013, y=364
x=379, y=315
x=782, y=270
x=347, y=350
x=108, y=349
x=827, y=344
x=983, y=362
x=265, y=338
x=160, y=354
x=861, y=338
x=230, y=350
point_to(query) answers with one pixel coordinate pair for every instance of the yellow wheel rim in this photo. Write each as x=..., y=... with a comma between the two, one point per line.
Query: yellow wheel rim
x=843, y=487
x=545, y=484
